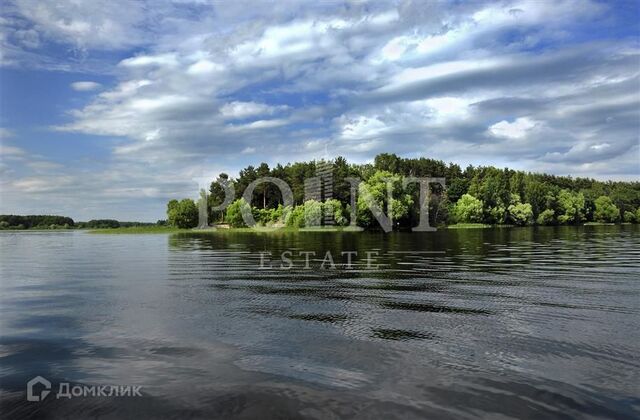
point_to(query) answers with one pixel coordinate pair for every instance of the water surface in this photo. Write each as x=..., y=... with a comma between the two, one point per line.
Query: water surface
x=521, y=323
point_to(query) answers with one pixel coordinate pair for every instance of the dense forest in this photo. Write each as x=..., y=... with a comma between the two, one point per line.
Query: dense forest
x=10, y=221
x=14, y=222
x=485, y=195
x=109, y=223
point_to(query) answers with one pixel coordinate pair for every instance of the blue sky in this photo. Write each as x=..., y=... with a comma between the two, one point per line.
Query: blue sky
x=107, y=113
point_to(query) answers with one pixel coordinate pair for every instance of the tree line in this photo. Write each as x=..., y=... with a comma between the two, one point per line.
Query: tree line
x=11, y=221
x=16, y=222
x=111, y=224
x=475, y=194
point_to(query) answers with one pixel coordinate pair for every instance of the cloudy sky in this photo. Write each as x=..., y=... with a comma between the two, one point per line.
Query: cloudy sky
x=108, y=109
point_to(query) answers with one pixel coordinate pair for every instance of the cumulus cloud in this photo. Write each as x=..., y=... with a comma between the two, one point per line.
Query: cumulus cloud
x=517, y=129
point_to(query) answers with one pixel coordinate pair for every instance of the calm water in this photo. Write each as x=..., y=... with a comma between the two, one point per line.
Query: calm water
x=492, y=323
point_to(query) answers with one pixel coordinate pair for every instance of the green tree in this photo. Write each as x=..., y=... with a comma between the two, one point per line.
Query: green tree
x=468, y=209
x=312, y=213
x=103, y=224
x=245, y=177
x=375, y=189
x=625, y=195
x=496, y=214
x=217, y=196
x=334, y=207
x=521, y=213
x=535, y=193
x=184, y=214
x=342, y=188
x=629, y=217
x=571, y=207
x=518, y=184
x=491, y=185
x=234, y=213
x=590, y=197
x=263, y=171
x=389, y=162
x=456, y=188
x=439, y=205
x=172, y=205
x=547, y=217
x=294, y=217
x=605, y=210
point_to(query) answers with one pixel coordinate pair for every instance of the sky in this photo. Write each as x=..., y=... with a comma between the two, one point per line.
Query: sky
x=108, y=109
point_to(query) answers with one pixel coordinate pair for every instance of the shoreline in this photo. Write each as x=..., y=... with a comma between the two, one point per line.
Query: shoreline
x=465, y=226
x=266, y=229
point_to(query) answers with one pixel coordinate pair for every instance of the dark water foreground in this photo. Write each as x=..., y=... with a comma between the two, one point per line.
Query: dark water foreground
x=493, y=323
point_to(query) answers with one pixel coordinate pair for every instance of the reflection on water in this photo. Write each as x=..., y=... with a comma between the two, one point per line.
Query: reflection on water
x=491, y=322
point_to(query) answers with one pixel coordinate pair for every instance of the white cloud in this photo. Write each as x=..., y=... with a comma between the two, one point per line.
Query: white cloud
x=168, y=60
x=361, y=128
x=258, y=125
x=447, y=109
x=517, y=129
x=299, y=40
x=85, y=86
x=204, y=67
x=43, y=184
x=10, y=151
x=109, y=25
x=239, y=110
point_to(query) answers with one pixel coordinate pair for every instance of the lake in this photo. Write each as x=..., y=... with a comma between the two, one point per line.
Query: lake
x=493, y=323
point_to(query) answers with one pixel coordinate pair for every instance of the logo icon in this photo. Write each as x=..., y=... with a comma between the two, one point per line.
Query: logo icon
x=32, y=384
